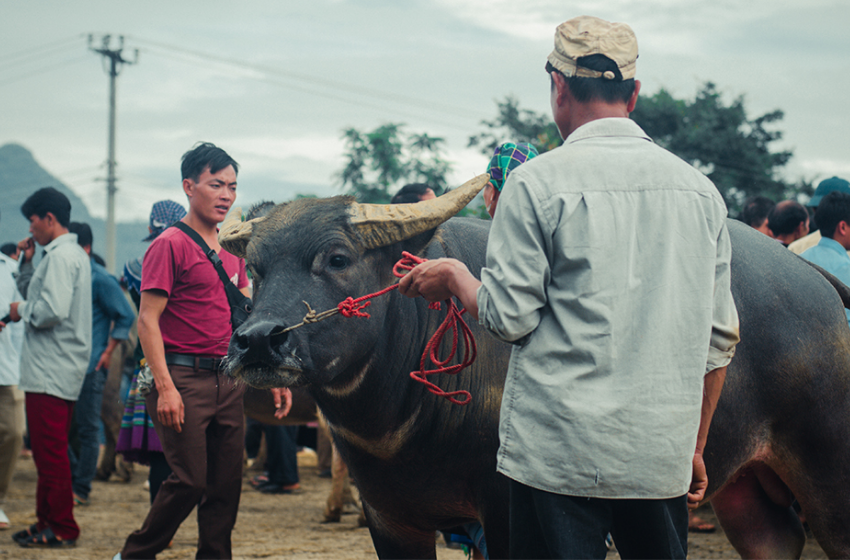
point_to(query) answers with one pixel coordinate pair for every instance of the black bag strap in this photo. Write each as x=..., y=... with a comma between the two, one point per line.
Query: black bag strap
x=216, y=262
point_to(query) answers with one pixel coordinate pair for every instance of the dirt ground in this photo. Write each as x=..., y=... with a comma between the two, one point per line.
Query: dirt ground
x=269, y=526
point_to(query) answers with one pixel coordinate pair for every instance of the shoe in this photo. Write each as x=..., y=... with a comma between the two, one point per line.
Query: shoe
x=325, y=473
x=46, y=539
x=117, y=556
x=4, y=521
x=26, y=533
x=274, y=488
x=259, y=480
x=80, y=501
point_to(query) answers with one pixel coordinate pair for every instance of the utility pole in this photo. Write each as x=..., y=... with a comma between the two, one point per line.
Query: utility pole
x=116, y=59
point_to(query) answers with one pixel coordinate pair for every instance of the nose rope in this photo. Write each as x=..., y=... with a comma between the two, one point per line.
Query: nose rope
x=453, y=322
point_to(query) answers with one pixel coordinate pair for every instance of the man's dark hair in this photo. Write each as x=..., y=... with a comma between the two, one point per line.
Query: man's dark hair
x=591, y=89
x=410, y=193
x=756, y=210
x=786, y=217
x=833, y=209
x=47, y=200
x=83, y=231
x=8, y=249
x=205, y=155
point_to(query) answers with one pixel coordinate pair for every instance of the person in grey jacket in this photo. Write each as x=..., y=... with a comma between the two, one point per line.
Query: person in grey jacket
x=57, y=318
x=608, y=268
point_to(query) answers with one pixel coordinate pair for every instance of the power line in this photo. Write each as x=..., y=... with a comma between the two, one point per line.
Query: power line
x=312, y=85
x=278, y=72
x=42, y=70
x=37, y=52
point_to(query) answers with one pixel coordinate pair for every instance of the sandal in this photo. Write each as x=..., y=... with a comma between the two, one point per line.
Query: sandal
x=697, y=525
x=26, y=533
x=79, y=501
x=46, y=539
x=259, y=480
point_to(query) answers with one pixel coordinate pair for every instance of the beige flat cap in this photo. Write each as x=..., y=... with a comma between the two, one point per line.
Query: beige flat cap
x=588, y=35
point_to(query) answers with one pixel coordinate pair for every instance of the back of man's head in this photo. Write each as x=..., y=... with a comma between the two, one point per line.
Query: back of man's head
x=84, y=234
x=47, y=200
x=786, y=217
x=410, y=193
x=205, y=155
x=833, y=209
x=8, y=249
x=596, y=58
x=756, y=211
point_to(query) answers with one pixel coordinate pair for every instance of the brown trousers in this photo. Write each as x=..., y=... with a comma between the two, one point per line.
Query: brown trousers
x=206, y=459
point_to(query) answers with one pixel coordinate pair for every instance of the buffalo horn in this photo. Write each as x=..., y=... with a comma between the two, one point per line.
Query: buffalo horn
x=235, y=234
x=380, y=225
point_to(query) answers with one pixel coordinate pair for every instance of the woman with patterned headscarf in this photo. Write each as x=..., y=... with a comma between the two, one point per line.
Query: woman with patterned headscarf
x=506, y=158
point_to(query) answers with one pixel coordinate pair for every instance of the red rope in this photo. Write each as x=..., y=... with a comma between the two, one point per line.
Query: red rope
x=351, y=307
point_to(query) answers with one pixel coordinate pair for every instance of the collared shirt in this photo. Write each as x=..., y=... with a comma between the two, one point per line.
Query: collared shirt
x=109, y=308
x=13, y=335
x=608, y=267
x=832, y=257
x=57, y=321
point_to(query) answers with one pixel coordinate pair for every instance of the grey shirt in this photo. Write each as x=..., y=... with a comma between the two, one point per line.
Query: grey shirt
x=608, y=266
x=57, y=317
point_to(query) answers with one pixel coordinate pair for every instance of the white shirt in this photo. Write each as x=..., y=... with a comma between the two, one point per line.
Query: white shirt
x=57, y=317
x=608, y=265
x=13, y=335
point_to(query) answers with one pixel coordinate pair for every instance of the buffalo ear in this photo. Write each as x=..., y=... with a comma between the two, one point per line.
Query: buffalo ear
x=416, y=244
x=235, y=234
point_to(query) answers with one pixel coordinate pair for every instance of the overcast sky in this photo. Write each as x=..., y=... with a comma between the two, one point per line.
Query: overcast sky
x=275, y=82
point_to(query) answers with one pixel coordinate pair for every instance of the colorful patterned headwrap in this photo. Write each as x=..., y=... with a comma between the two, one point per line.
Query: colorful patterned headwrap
x=506, y=158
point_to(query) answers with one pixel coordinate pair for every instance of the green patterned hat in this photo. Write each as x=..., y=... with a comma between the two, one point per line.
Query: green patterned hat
x=506, y=158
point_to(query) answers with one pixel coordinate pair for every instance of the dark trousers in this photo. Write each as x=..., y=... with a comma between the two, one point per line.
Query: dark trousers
x=206, y=459
x=546, y=525
x=48, y=422
x=87, y=416
x=282, y=460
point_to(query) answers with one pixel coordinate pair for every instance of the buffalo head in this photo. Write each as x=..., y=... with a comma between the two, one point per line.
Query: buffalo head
x=315, y=253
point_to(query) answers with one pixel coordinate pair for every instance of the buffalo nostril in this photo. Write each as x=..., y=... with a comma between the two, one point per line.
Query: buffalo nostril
x=259, y=342
x=277, y=338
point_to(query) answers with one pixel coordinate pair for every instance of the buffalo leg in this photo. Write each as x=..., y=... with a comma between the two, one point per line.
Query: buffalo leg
x=392, y=540
x=339, y=488
x=755, y=524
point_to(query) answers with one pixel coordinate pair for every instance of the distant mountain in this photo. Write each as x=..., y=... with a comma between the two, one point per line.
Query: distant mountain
x=21, y=175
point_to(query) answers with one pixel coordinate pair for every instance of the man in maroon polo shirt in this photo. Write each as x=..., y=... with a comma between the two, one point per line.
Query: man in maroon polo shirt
x=184, y=328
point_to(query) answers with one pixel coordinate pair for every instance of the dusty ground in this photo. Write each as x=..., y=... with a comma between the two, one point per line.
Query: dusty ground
x=283, y=526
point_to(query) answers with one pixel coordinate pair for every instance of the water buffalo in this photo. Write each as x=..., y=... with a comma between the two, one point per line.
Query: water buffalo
x=421, y=463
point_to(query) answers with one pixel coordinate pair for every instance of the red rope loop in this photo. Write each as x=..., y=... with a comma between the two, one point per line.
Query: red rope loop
x=453, y=322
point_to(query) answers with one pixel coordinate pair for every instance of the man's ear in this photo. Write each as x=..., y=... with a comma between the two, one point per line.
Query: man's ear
x=560, y=85
x=630, y=106
x=187, y=186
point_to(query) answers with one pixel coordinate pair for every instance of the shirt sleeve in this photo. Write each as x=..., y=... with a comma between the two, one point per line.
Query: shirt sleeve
x=117, y=307
x=243, y=276
x=24, y=276
x=159, y=266
x=724, y=327
x=516, y=277
x=53, y=303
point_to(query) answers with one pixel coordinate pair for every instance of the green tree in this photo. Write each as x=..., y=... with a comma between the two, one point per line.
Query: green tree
x=513, y=124
x=734, y=151
x=719, y=139
x=380, y=162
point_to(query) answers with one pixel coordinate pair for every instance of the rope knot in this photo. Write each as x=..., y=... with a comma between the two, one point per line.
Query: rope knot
x=350, y=307
x=311, y=316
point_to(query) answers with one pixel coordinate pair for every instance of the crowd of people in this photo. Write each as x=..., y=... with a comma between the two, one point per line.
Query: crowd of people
x=583, y=237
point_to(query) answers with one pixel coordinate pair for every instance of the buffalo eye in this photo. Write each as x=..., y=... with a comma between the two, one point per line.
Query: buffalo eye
x=338, y=262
